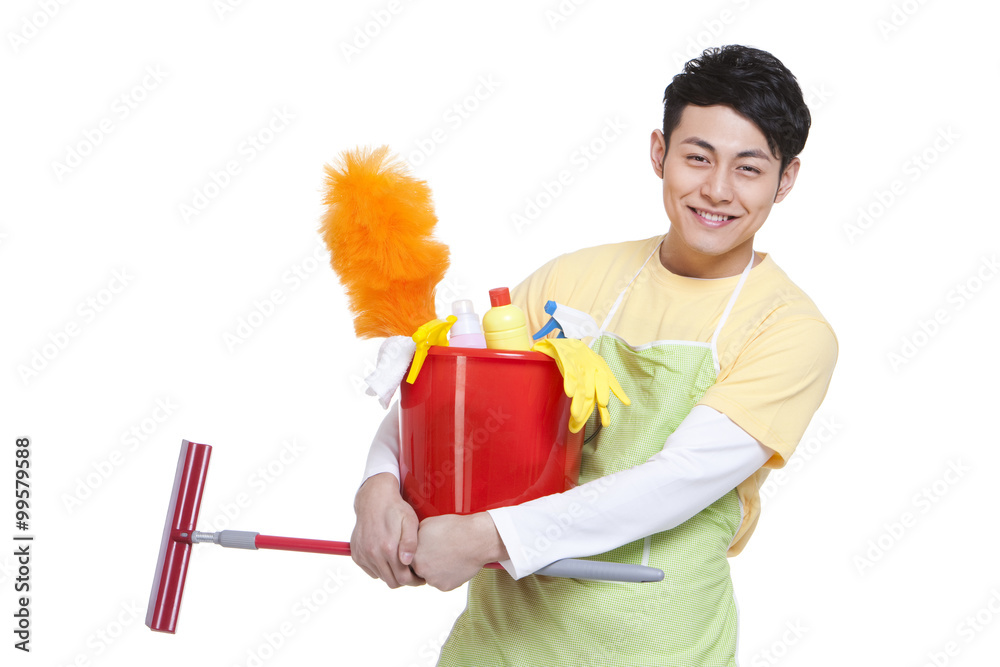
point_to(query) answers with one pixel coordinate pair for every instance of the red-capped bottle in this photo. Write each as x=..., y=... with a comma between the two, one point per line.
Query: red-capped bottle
x=504, y=325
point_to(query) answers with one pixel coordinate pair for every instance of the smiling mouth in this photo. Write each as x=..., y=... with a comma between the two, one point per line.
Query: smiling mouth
x=713, y=219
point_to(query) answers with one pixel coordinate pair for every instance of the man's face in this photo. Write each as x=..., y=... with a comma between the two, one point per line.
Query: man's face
x=719, y=183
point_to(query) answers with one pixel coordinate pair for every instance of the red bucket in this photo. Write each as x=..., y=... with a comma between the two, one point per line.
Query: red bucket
x=483, y=429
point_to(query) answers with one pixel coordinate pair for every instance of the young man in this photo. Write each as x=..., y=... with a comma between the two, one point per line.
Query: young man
x=725, y=361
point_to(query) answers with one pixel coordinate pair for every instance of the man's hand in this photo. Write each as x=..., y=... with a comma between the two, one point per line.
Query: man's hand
x=385, y=536
x=453, y=548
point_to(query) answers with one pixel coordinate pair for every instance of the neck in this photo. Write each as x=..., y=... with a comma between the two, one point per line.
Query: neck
x=683, y=261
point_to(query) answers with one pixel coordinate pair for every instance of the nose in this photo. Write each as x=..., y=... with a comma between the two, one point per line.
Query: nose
x=716, y=187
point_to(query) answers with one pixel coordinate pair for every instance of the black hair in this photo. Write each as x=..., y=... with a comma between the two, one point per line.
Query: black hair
x=755, y=84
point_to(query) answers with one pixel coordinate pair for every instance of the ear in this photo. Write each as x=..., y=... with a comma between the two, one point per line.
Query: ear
x=657, y=151
x=787, y=179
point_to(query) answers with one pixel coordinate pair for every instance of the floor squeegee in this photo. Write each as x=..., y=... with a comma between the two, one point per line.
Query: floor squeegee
x=179, y=536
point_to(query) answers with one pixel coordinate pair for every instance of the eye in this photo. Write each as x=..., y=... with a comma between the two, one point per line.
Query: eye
x=697, y=158
x=749, y=169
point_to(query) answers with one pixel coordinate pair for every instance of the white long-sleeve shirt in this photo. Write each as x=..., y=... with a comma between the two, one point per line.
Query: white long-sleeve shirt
x=705, y=458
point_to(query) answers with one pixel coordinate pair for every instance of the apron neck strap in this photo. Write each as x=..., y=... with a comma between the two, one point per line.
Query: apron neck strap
x=729, y=308
x=725, y=313
x=621, y=295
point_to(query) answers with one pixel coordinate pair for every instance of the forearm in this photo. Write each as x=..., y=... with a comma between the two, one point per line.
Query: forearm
x=383, y=455
x=705, y=458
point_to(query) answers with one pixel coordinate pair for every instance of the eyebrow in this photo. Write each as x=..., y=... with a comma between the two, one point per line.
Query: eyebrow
x=750, y=152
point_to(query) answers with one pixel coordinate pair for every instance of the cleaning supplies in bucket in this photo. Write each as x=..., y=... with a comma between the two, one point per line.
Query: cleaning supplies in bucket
x=483, y=429
x=434, y=332
x=586, y=377
x=569, y=322
x=497, y=427
x=587, y=380
x=504, y=325
x=466, y=332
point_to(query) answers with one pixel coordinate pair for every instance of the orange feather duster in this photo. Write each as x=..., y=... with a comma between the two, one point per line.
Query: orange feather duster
x=378, y=228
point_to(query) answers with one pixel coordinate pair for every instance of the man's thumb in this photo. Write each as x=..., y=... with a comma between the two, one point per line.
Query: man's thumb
x=408, y=540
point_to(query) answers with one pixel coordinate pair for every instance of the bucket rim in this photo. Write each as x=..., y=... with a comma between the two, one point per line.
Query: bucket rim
x=485, y=353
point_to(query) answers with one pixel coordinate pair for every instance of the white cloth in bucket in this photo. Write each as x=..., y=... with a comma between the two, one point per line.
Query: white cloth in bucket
x=394, y=357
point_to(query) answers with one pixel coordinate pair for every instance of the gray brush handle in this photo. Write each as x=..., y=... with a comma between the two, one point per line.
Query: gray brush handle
x=234, y=539
x=597, y=570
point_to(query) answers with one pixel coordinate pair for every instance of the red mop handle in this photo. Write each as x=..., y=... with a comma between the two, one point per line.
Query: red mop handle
x=299, y=544
x=314, y=546
x=568, y=567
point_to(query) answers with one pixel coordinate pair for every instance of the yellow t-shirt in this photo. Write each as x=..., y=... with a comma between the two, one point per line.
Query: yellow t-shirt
x=776, y=351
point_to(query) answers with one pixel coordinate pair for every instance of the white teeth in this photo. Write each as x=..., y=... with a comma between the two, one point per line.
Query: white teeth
x=713, y=217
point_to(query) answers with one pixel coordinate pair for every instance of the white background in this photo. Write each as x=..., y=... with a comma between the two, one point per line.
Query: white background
x=869, y=551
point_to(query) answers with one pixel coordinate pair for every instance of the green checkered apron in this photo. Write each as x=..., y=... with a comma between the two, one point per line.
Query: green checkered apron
x=687, y=620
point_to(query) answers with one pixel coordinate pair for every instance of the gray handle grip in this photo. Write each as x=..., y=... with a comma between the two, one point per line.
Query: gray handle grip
x=238, y=539
x=597, y=570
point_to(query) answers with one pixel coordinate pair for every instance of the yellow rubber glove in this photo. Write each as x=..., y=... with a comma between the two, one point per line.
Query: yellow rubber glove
x=434, y=332
x=586, y=379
